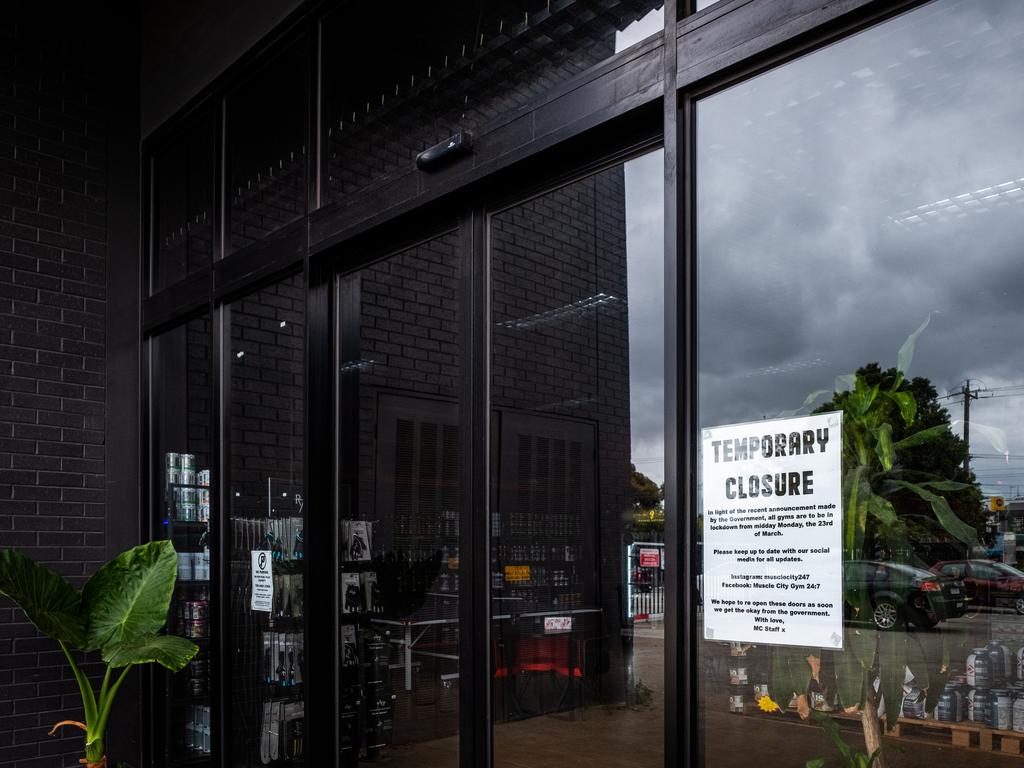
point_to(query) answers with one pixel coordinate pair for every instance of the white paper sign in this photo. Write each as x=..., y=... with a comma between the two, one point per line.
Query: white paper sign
x=773, y=520
x=262, y=582
x=555, y=624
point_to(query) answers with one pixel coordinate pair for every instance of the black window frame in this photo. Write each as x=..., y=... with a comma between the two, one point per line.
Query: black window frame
x=638, y=99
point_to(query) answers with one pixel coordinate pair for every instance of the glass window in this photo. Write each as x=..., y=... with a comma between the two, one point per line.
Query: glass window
x=183, y=188
x=577, y=472
x=266, y=150
x=181, y=432
x=451, y=67
x=400, y=465
x=858, y=230
x=267, y=668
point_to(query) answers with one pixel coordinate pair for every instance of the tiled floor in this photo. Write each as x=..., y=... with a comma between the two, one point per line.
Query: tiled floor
x=632, y=737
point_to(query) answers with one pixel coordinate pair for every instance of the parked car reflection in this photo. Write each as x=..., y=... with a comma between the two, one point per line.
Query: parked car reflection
x=987, y=583
x=903, y=594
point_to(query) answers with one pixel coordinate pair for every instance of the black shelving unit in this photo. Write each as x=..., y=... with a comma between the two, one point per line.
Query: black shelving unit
x=268, y=659
x=188, y=738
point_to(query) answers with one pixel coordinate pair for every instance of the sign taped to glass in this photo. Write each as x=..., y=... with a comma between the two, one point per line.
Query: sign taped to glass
x=262, y=582
x=772, y=508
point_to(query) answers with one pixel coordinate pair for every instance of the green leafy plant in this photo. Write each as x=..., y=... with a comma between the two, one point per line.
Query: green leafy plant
x=873, y=477
x=119, y=613
x=848, y=757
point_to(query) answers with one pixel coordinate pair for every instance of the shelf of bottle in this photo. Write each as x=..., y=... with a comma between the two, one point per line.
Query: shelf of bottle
x=184, y=699
x=200, y=641
x=192, y=759
x=292, y=692
x=285, y=624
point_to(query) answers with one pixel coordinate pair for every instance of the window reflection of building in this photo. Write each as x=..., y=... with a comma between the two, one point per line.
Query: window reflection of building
x=458, y=66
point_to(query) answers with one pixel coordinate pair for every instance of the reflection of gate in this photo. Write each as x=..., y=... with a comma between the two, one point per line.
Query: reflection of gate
x=645, y=581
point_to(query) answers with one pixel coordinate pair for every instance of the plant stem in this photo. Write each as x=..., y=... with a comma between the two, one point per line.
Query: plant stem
x=103, y=688
x=107, y=702
x=870, y=722
x=84, y=687
x=94, y=751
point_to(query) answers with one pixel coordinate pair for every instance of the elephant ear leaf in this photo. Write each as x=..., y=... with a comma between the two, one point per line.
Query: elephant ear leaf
x=128, y=597
x=48, y=600
x=167, y=650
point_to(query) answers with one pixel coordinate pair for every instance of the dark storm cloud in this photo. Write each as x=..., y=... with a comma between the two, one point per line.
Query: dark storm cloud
x=845, y=196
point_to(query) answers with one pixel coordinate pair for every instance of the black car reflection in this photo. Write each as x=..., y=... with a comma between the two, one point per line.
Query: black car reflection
x=900, y=594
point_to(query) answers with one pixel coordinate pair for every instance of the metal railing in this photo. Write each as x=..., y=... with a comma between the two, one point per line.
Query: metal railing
x=645, y=581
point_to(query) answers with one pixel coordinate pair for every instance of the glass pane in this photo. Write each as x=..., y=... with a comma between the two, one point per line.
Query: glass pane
x=183, y=186
x=577, y=515
x=859, y=221
x=450, y=67
x=265, y=401
x=182, y=433
x=266, y=150
x=399, y=499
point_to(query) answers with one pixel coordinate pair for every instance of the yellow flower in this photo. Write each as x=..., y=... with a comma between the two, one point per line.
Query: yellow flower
x=767, y=705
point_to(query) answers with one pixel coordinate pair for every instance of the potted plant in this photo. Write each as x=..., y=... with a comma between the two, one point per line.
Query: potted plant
x=119, y=613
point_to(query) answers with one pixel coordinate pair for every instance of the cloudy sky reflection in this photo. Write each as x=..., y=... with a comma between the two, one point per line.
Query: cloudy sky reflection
x=845, y=196
x=645, y=269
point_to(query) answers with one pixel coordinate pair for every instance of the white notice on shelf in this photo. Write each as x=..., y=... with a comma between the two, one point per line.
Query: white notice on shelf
x=773, y=520
x=262, y=582
x=555, y=624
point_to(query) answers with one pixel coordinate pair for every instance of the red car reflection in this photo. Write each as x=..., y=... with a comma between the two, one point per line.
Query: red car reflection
x=987, y=582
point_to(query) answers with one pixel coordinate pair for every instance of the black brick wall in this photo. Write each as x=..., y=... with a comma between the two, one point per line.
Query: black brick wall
x=53, y=235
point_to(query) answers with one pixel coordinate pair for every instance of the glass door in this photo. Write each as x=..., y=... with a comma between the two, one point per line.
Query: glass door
x=400, y=463
x=181, y=461
x=264, y=400
x=577, y=472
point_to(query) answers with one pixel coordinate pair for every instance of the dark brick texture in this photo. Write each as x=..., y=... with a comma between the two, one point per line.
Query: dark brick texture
x=53, y=236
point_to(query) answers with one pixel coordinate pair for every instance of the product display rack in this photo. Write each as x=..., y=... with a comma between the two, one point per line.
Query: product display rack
x=186, y=523
x=366, y=696
x=268, y=663
x=399, y=637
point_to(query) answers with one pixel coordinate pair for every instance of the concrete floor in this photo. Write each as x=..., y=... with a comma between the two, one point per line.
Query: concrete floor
x=609, y=735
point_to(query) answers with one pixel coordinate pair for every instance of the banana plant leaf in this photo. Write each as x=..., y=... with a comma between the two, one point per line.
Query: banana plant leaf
x=906, y=353
x=944, y=485
x=918, y=663
x=128, y=598
x=922, y=437
x=883, y=448
x=906, y=403
x=892, y=652
x=791, y=674
x=953, y=525
x=832, y=731
x=857, y=656
x=857, y=492
x=849, y=676
x=166, y=650
x=47, y=599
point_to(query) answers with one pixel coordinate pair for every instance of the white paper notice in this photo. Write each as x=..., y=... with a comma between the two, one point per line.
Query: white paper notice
x=262, y=582
x=773, y=523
